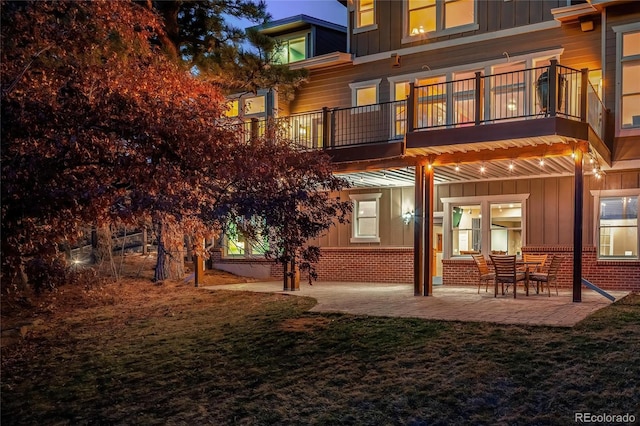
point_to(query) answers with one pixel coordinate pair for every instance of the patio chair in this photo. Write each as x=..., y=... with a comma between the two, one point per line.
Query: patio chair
x=542, y=259
x=551, y=276
x=506, y=273
x=483, y=269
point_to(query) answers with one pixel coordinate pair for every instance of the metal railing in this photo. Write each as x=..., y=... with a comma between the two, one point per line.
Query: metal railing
x=548, y=91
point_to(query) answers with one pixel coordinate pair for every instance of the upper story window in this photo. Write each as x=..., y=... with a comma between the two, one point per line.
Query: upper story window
x=365, y=92
x=628, y=85
x=291, y=50
x=365, y=15
x=233, y=108
x=254, y=105
x=630, y=62
x=437, y=16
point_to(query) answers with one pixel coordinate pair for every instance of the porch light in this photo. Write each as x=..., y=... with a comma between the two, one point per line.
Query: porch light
x=482, y=168
x=541, y=162
x=511, y=106
x=511, y=166
x=406, y=218
x=457, y=167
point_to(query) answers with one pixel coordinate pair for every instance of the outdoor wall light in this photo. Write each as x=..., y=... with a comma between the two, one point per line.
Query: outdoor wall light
x=406, y=218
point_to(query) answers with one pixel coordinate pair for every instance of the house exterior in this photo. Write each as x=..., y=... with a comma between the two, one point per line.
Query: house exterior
x=474, y=127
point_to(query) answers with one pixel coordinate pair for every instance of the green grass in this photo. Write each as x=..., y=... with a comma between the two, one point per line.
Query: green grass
x=241, y=358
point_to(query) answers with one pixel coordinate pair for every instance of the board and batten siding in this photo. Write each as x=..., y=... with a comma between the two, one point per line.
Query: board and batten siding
x=492, y=16
x=330, y=87
x=549, y=208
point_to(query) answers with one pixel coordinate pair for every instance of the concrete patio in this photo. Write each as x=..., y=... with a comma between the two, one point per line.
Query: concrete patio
x=449, y=303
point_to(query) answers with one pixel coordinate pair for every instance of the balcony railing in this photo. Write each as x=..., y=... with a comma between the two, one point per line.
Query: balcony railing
x=550, y=91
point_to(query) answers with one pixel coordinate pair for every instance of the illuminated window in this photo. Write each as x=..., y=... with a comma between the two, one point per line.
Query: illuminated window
x=432, y=102
x=254, y=105
x=366, y=211
x=401, y=93
x=466, y=221
x=233, y=108
x=630, y=62
x=506, y=228
x=292, y=50
x=365, y=92
x=427, y=16
x=486, y=224
x=618, y=225
x=238, y=244
x=365, y=13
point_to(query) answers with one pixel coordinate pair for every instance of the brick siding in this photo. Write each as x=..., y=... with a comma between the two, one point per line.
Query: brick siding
x=395, y=265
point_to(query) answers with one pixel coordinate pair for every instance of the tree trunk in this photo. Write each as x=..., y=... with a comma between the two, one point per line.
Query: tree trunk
x=170, y=261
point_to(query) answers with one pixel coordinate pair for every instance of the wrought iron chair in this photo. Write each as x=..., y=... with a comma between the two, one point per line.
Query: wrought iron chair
x=542, y=259
x=506, y=273
x=551, y=276
x=485, y=274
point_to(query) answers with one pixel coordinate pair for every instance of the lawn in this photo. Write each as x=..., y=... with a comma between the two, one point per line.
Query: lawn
x=138, y=353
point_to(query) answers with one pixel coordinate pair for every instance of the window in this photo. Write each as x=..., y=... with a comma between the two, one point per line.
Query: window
x=237, y=244
x=432, y=102
x=429, y=16
x=400, y=95
x=365, y=93
x=366, y=14
x=617, y=223
x=254, y=105
x=365, y=223
x=233, y=108
x=487, y=224
x=466, y=223
x=506, y=228
x=508, y=94
x=630, y=63
x=291, y=50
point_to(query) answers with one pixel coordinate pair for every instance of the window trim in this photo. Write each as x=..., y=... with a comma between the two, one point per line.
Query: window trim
x=363, y=85
x=358, y=29
x=610, y=193
x=307, y=44
x=620, y=30
x=439, y=32
x=485, y=202
x=356, y=198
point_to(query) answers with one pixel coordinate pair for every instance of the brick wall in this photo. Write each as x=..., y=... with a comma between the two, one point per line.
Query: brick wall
x=395, y=265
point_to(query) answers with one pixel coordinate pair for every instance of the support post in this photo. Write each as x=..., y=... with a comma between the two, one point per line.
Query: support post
x=577, y=227
x=428, y=231
x=411, y=109
x=198, y=269
x=325, y=128
x=418, y=233
x=584, y=85
x=478, y=87
x=552, y=80
x=144, y=241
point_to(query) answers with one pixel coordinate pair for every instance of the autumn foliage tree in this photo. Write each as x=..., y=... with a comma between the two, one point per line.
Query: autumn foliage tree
x=98, y=126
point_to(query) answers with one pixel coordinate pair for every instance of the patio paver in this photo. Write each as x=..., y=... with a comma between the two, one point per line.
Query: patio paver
x=450, y=303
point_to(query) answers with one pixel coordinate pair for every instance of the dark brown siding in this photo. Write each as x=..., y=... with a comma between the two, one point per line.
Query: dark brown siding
x=329, y=41
x=492, y=16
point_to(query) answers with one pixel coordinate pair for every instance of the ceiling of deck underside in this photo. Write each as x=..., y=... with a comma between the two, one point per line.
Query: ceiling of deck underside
x=493, y=170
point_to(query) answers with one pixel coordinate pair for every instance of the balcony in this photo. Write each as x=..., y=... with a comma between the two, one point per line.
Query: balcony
x=546, y=107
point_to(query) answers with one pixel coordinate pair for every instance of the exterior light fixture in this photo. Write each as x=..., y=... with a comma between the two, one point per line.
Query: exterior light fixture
x=482, y=168
x=406, y=218
x=541, y=162
x=511, y=166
